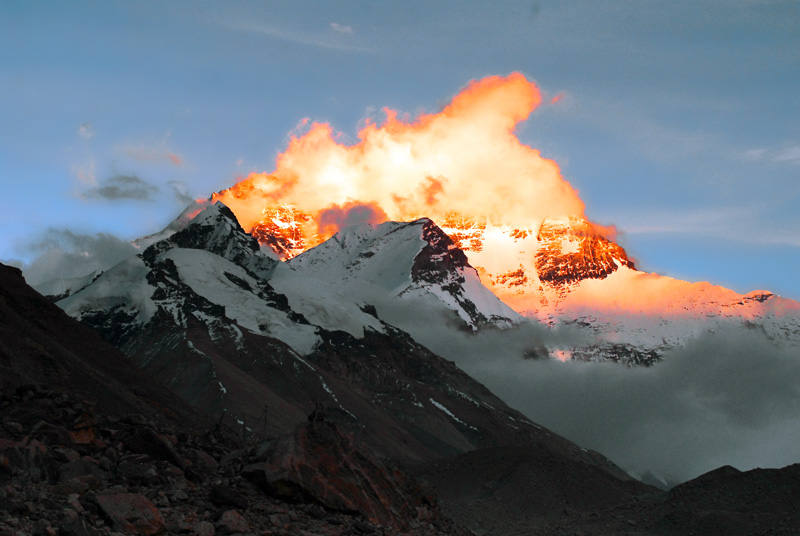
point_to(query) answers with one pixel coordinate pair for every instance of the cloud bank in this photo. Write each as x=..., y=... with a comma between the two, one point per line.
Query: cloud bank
x=331, y=220
x=465, y=159
x=727, y=398
x=64, y=254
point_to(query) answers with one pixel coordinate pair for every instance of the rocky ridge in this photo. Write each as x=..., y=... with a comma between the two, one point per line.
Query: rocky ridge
x=573, y=251
x=568, y=273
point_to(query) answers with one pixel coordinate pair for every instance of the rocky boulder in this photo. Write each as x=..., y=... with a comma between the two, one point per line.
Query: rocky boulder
x=319, y=463
x=131, y=513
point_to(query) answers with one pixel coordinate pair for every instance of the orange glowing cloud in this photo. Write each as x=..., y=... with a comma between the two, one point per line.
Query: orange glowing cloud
x=464, y=159
x=557, y=97
x=176, y=160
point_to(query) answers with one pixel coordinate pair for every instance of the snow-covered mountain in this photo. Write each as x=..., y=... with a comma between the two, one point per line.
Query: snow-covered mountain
x=558, y=273
x=239, y=333
x=567, y=273
x=415, y=260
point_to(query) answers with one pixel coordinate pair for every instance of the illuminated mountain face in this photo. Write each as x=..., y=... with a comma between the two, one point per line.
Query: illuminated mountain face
x=571, y=251
x=282, y=229
x=534, y=267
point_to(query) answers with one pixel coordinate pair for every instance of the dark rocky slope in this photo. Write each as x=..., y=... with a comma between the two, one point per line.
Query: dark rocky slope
x=66, y=470
x=40, y=344
x=90, y=445
x=531, y=490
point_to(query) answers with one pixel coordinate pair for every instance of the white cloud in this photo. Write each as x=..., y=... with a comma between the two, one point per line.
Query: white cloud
x=789, y=154
x=86, y=131
x=343, y=29
x=64, y=254
x=754, y=155
x=85, y=173
x=297, y=37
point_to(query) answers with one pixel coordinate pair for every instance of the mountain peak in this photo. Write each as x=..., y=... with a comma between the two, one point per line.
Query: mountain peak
x=411, y=260
x=215, y=214
x=572, y=250
x=214, y=229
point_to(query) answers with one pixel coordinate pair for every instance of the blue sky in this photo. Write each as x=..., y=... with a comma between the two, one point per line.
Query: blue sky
x=679, y=122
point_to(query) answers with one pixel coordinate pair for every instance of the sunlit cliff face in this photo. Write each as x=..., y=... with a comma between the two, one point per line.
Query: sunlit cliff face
x=521, y=224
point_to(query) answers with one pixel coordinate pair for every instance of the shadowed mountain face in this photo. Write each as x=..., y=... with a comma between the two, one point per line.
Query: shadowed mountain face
x=40, y=345
x=386, y=396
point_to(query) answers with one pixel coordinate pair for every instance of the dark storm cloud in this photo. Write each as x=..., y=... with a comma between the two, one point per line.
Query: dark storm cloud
x=726, y=398
x=123, y=187
x=64, y=254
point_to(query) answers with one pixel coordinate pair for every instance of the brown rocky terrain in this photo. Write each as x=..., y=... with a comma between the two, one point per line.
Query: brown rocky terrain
x=589, y=255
